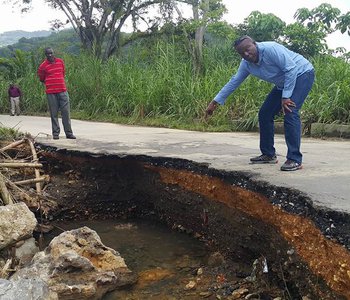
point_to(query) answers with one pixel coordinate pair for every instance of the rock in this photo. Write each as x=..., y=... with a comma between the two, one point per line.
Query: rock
x=17, y=222
x=76, y=265
x=126, y=226
x=191, y=285
x=252, y=296
x=44, y=228
x=26, y=289
x=216, y=259
x=235, y=296
x=186, y=263
x=291, y=251
x=239, y=293
x=26, y=251
x=205, y=294
x=152, y=275
x=19, y=243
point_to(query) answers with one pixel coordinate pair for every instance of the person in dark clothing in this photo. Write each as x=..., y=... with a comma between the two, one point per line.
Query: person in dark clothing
x=15, y=94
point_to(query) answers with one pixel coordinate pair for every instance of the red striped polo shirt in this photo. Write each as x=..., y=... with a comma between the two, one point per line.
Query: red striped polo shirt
x=53, y=76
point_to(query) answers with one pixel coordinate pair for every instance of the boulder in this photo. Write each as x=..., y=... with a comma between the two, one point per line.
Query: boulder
x=26, y=289
x=77, y=265
x=17, y=222
x=26, y=250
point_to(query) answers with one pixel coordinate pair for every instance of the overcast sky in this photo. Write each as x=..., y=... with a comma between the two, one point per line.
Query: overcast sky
x=41, y=14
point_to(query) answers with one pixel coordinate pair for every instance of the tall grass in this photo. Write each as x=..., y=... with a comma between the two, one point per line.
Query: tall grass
x=329, y=101
x=155, y=85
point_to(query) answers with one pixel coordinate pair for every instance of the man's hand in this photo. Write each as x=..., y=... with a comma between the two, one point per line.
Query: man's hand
x=210, y=109
x=286, y=105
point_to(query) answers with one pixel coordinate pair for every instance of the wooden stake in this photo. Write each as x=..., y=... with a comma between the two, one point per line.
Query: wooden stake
x=12, y=161
x=13, y=145
x=20, y=165
x=37, y=172
x=5, y=270
x=30, y=181
x=5, y=195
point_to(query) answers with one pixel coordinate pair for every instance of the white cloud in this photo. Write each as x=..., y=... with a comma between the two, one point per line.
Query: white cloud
x=37, y=18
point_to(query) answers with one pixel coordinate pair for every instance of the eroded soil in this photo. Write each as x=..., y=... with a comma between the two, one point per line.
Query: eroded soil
x=304, y=248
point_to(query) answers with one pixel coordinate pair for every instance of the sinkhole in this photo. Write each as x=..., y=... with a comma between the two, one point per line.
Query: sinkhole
x=265, y=241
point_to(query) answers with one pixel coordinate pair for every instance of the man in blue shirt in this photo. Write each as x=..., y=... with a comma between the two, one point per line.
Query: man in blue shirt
x=292, y=76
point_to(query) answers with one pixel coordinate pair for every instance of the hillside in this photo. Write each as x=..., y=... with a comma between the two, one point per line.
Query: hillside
x=65, y=40
x=12, y=37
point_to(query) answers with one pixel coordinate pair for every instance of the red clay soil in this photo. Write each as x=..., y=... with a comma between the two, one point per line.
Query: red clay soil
x=325, y=258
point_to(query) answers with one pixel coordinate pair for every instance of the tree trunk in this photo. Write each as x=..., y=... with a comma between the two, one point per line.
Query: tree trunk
x=199, y=36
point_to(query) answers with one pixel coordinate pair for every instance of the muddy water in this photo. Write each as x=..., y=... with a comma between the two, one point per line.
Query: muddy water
x=165, y=260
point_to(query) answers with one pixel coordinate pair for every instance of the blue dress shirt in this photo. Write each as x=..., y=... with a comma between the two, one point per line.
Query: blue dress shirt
x=276, y=64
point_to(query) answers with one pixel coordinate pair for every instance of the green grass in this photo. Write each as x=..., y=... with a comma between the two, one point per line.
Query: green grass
x=9, y=134
x=154, y=85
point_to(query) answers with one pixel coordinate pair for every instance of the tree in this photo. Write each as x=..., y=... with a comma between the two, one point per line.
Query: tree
x=16, y=66
x=99, y=22
x=262, y=27
x=205, y=12
x=199, y=33
x=308, y=35
x=344, y=23
x=322, y=18
x=301, y=39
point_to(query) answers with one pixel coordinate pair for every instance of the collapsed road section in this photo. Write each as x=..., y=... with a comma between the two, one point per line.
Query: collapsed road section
x=301, y=248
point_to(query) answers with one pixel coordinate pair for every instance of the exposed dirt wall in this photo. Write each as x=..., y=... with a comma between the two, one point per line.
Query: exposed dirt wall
x=243, y=224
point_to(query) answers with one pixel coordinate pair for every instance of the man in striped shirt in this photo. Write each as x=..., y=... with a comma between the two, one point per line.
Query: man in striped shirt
x=51, y=72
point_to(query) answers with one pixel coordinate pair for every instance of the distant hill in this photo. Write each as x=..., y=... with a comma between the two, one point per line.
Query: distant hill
x=12, y=37
x=62, y=41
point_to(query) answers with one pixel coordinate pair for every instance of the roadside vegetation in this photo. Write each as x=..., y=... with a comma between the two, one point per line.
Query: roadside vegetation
x=156, y=81
x=9, y=134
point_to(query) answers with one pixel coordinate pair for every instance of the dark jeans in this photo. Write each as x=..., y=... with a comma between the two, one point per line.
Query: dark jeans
x=60, y=102
x=292, y=125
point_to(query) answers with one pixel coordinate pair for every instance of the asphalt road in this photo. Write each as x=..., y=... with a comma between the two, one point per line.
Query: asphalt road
x=325, y=176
